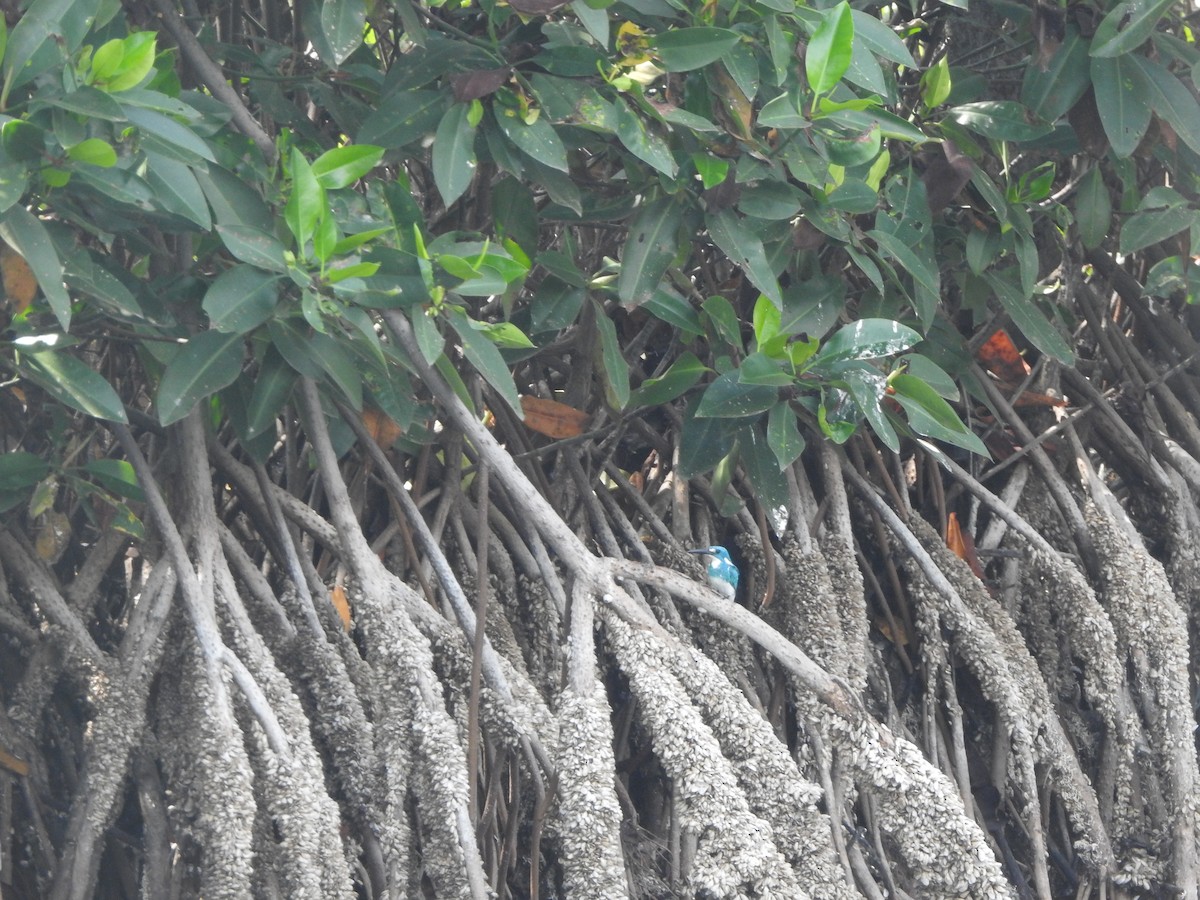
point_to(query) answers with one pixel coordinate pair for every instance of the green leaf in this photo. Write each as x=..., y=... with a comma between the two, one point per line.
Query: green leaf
x=170, y=136
x=866, y=339
x=1029, y=318
x=679, y=378
x=830, y=49
x=254, y=246
x=1049, y=93
x=20, y=470
x=649, y=249
x=642, y=142
x=343, y=370
x=26, y=234
x=930, y=415
x=177, y=190
x=241, y=299
x=342, y=166
x=783, y=434
x=539, y=139
x=703, y=443
x=684, y=49
x=342, y=22
x=272, y=388
x=1123, y=101
x=402, y=117
x=745, y=249
x=486, y=359
x=936, y=83
x=94, y=152
x=208, y=362
x=454, y=153
x=1127, y=26
x=137, y=61
x=926, y=276
x=1173, y=102
x=764, y=472
x=56, y=27
x=1145, y=229
x=727, y=398
x=725, y=319
x=116, y=475
x=1002, y=120
x=1093, y=209
x=868, y=387
x=616, y=370
x=71, y=382
x=306, y=203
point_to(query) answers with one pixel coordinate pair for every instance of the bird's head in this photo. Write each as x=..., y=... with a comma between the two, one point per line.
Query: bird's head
x=719, y=553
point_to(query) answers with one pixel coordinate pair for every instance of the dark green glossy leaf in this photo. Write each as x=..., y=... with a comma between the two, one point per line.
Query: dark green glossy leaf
x=764, y=472
x=187, y=146
x=71, y=382
x=680, y=377
x=1051, y=92
x=1025, y=313
x=924, y=272
x=342, y=23
x=643, y=142
x=272, y=388
x=486, y=359
x=1127, y=25
x=728, y=398
x=254, y=246
x=340, y=365
x=454, y=153
x=1173, y=102
x=538, y=139
x=616, y=370
x=241, y=299
x=783, y=434
x=1123, y=101
x=1003, y=120
x=208, y=362
x=20, y=470
x=306, y=204
x=403, y=117
x=652, y=244
x=177, y=190
x=684, y=49
x=1145, y=229
x=744, y=248
x=703, y=443
x=1093, y=209
x=866, y=339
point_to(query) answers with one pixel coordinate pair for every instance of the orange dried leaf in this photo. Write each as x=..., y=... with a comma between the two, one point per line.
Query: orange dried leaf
x=1032, y=398
x=20, y=285
x=1000, y=356
x=897, y=636
x=553, y=419
x=962, y=545
x=341, y=604
x=382, y=429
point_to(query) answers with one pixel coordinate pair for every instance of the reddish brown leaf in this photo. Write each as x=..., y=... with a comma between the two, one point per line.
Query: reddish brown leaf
x=551, y=418
x=1000, y=356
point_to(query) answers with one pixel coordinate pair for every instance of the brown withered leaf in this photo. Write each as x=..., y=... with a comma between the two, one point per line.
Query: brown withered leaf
x=380, y=427
x=551, y=418
x=470, y=86
x=20, y=285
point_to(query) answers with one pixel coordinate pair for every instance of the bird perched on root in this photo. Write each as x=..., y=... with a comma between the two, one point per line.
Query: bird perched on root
x=722, y=573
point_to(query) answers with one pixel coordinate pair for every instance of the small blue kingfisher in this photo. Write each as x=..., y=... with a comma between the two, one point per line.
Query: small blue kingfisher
x=722, y=573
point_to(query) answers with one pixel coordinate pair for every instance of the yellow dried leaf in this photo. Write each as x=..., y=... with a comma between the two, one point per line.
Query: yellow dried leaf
x=553, y=419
